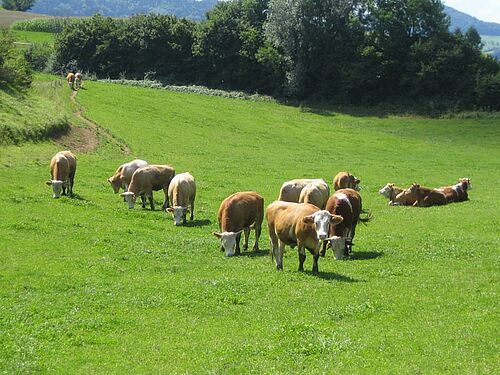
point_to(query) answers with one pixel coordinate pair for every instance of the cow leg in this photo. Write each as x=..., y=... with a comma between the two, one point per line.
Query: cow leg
x=280, y=249
x=192, y=211
x=315, y=255
x=165, y=201
x=302, y=257
x=323, y=249
x=238, y=238
x=151, y=201
x=246, y=231
x=258, y=229
x=143, y=201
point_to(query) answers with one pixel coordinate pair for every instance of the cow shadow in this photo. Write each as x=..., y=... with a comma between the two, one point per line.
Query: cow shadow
x=253, y=254
x=198, y=223
x=333, y=276
x=76, y=197
x=366, y=255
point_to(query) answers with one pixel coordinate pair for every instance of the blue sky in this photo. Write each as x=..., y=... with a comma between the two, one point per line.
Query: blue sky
x=485, y=10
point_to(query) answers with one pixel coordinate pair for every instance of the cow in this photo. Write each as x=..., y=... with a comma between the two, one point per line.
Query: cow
x=78, y=80
x=426, y=197
x=290, y=190
x=238, y=213
x=147, y=179
x=345, y=180
x=123, y=175
x=298, y=224
x=181, y=194
x=397, y=196
x=457, y=192
x=70, y=78
x=62, y=172
x=316, y=193
x=346, y=203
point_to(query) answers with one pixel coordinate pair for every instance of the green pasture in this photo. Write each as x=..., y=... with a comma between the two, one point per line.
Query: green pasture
x=89, y=286
x=30, y=37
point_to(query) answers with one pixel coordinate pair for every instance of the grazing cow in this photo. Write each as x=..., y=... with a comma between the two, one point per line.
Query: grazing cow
x=457, y=192
x=290, y=190
x=70, y=78
x=123, y=175
x=78, y=80
x=426, y=197
x=145, y=180
x=62, y=172
x=181, y=194
x=345, y=180
x=346, y=203
x=316, y=193
x=239, y=213
x=397, y=196
x=298, y=224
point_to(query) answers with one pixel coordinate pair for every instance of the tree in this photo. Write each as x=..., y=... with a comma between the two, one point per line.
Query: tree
x=20, y=5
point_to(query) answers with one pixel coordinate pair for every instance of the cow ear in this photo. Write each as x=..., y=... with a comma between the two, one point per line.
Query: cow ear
x=218, y=235
x=109, y=180
x=48, y=183
x=308, y=219
x=336, y=219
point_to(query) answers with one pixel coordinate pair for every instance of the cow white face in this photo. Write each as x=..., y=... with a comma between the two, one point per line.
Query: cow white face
x=130, y=198
x=338, y=246
x=467, y=180
x=322, y=220
x=228, y=241
x=356, y=183
x=178, y=213
x=386, y=191
x=56, y=187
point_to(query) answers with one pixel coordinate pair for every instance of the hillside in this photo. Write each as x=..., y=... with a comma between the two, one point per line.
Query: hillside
x=8, y=17
x=194, y=9
x=90, y=286
x=463, y=21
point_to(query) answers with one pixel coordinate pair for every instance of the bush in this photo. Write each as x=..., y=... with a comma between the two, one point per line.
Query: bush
x=39, y=56
x=14, y=70
x=46, y=25
x=488, y=92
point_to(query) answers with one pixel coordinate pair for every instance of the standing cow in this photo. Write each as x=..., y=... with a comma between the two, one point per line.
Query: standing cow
x=70, y=78
x=316, y=192
x=238, y=213
x=62, y=172
x=290, y=190
x=298, y=224
x=147, y=179
x=345, y=180
x=181, y=194
x=123, y=175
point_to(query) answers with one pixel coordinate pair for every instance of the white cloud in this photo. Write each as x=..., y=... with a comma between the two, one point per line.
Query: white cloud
x=485, y=10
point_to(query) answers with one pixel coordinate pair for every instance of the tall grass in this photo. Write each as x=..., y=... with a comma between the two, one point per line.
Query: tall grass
x=49, y=25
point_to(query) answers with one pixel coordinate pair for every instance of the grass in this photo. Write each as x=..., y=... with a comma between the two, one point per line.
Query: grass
x=8, y=17
x=88, y=286
x=33, y=37
x=33, y=115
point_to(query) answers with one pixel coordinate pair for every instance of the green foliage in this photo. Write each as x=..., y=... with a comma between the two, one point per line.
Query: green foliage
x=14, y=69
x=40, y=56
x=21, y=5
x=47, y=25
x=488, y=91
x=89, y=286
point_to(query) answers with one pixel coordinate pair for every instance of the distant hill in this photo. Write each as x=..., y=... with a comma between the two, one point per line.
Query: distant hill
x=8, y=17
x=463, y=21
x=194, y=9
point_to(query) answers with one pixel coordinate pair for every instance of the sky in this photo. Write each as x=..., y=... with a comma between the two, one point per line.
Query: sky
x=485, y=10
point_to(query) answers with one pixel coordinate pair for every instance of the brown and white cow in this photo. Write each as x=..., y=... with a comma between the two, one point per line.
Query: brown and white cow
x=298, y=224
x=181, y=194
x=147, y=179
x=290, y=190
x=70, y=78
x=345, y=180
x=78, y=80
x=62, y=172
x=457, y=192
x=123, y=175
x=346, y=203
x=426, y=197
x=239, y=213
x=316, y=192
x=397, y=196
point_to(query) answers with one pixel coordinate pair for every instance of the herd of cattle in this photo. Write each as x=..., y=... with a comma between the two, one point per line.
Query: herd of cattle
x=304, y=216
x=75, y=80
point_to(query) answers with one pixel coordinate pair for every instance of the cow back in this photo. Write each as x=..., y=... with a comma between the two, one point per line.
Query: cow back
x=240, y=210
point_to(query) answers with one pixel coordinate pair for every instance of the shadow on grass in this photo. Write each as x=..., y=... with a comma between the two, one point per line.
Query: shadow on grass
x=77, y=197
x=366, y=255
x=333, y=276
x=197, y=223
x=253, y=254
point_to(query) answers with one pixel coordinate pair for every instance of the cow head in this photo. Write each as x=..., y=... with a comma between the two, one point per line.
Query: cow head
x=56, y=187
x=355, y=182
x=228, y=241
x=414, y=188
x=115, y=183
x=178, y=213
x=322, y=220
x=386, y=191
x=130, y=198
x=339, y=247
x=465, y=182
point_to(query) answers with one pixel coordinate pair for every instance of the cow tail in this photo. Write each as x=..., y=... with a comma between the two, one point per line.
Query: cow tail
x=367, y=218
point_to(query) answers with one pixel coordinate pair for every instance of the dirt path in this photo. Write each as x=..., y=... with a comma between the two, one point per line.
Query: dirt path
x=86, y=139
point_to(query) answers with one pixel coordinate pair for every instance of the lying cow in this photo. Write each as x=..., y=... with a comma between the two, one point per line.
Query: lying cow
x=123, y=175
x=316, y=192
x=290, y=190
x=457, y=192
x=397, y=196
x=147, y=179
x=181, y=194
x=238, y=213
x=345, y=180
x=298, y=224
x=346, y=203
x=62, y=172
x=426, y=197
